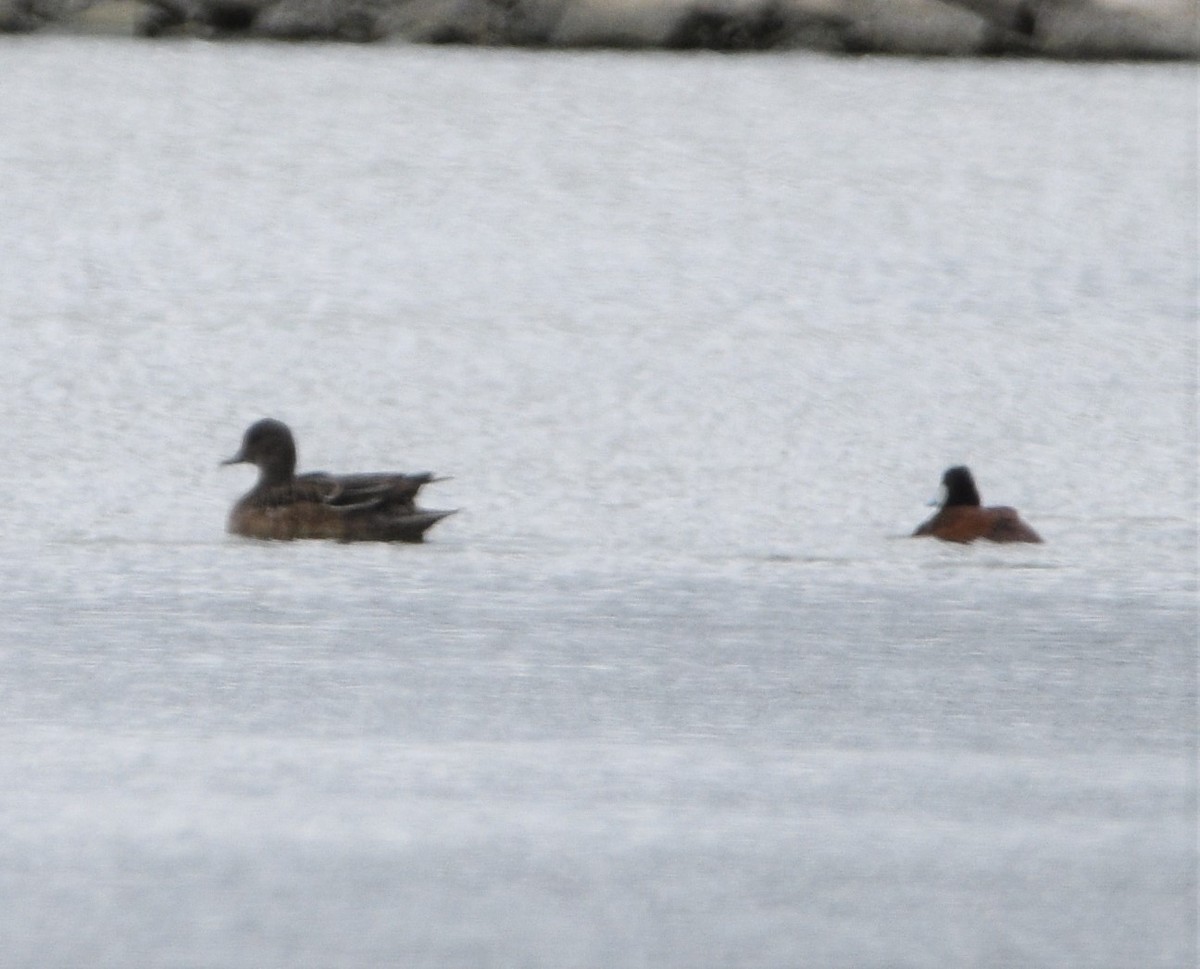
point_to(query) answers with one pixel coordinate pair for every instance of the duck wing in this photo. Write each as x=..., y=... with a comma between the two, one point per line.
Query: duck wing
x=376, y=507
x=348, y=492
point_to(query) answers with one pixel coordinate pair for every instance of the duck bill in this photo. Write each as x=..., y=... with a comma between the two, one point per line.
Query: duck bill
x=239, y=458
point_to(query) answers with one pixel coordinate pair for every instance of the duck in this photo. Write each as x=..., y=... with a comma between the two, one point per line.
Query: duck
x=962, y=517
x=282, y=505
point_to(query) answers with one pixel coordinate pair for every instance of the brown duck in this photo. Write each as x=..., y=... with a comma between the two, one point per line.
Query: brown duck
x=961, y=517
x=344, y=508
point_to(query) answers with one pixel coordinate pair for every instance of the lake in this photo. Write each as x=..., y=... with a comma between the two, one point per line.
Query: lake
x=694, y=337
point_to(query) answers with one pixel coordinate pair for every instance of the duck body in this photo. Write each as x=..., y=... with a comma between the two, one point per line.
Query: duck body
x=963, y=518
x=282, y=505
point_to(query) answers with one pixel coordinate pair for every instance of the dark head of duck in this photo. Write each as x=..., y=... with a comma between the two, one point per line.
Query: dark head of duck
x=268, y=444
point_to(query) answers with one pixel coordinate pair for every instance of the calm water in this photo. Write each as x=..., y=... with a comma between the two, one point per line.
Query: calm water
x=696, y=337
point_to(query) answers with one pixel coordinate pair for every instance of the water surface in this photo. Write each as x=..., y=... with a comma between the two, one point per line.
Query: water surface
x=695, y=337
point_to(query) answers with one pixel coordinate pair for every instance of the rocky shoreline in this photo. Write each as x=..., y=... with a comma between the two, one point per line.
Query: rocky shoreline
x=1060, y=29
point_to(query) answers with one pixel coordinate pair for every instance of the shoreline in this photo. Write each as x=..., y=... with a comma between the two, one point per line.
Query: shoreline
x=1168, y=30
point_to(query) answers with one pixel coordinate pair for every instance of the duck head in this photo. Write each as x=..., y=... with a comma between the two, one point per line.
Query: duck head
x=269, y=446
x=958, y=488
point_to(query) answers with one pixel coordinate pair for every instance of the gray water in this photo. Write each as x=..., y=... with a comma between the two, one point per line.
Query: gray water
x=695, y=337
